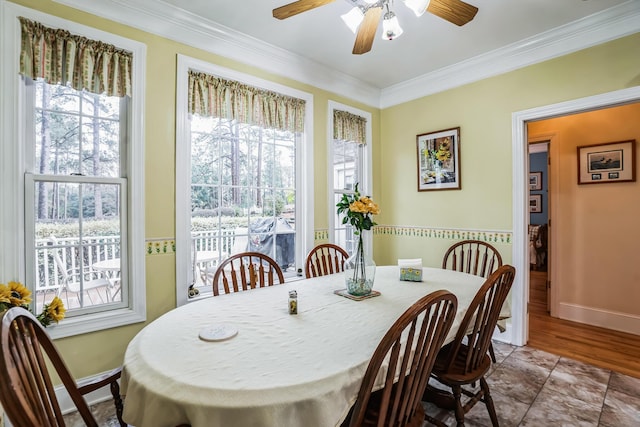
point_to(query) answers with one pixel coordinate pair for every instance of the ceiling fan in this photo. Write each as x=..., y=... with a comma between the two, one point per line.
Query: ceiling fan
x=365, y=16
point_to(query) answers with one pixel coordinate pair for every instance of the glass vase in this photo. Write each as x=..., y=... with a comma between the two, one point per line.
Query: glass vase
x=359, y=271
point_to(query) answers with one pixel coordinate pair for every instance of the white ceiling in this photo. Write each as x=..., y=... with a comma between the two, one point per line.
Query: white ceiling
x=315, y=46
x=428, y=42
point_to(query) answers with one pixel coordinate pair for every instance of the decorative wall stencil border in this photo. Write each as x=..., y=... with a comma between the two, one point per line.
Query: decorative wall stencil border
x=433, y=233
x=442, y=233
x=160, y=246
x=168, y=245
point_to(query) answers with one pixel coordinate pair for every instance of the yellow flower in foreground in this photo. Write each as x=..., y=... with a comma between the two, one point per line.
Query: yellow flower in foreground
x=20, y=295
x=5, y=294
x=56, y=309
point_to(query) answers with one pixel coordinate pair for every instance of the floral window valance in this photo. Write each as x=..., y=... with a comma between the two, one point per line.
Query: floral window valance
x=218, y=97
x=60, y=57
x=349, y=127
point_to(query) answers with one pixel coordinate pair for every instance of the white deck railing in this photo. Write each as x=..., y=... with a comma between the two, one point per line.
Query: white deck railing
x=101, y=248
x=94, y=249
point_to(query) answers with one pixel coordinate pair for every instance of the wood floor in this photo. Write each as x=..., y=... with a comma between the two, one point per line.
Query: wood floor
x=617, y=351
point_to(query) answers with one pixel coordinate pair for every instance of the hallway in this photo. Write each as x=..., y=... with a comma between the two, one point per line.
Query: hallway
x=608, y=349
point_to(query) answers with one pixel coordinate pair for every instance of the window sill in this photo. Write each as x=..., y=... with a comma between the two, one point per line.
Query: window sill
x=95, y=322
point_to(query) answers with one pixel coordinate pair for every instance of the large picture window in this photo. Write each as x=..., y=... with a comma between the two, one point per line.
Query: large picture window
x=73, y=162
x=76, y=193
x=246, y=145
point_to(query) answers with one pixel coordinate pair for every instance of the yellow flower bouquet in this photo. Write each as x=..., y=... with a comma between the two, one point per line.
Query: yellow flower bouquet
x=359, y=270
x=15, y=294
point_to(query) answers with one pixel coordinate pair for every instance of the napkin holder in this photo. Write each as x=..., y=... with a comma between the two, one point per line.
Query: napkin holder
x=410, y=269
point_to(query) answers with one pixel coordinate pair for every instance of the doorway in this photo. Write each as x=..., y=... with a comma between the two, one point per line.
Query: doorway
x=520, y=248
x=539, y=213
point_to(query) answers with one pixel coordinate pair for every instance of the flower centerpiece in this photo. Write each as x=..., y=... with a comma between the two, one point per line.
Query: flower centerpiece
x=359, y=269
x=15, y=294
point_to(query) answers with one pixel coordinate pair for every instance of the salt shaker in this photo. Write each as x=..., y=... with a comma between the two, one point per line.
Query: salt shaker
x=293, y=302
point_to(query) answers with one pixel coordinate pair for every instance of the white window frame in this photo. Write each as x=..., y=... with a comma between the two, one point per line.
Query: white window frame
x=366, y=183
x=14, y=162
x=304, y=168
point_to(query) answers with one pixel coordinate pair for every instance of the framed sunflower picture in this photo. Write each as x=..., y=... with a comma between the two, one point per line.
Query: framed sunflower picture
x=439, y=160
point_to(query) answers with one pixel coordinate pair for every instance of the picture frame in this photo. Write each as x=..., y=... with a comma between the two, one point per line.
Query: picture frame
x=535, y=181
x=607, y=162
x=438, y=155
x=535, y=203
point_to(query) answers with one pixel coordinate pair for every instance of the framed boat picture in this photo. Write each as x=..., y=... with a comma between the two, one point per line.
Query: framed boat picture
x=605, y=163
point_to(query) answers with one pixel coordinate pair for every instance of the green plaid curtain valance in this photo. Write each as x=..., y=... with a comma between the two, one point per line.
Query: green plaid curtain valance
x=349, y=127
x=60, y=57
x=218, y=97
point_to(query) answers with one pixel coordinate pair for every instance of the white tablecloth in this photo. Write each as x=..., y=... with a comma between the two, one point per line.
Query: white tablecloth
x=280, y=369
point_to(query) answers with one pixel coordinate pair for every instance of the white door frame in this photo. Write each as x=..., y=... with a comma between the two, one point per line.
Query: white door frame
x=520, y=160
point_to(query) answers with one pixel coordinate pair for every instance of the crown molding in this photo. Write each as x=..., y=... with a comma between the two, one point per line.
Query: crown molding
x=613, y=23
x=160, y=18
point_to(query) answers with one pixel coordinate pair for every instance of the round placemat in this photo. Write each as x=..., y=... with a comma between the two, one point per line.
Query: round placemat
x=218, y=332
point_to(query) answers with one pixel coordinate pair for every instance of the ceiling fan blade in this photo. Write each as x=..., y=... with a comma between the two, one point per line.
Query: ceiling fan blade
x=454, y=11
x=367, y=31
x=291, y=9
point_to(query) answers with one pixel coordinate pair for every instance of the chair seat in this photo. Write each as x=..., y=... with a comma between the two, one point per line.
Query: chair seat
x=455, y=374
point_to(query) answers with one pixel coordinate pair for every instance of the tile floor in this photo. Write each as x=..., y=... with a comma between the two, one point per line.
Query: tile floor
x=530, y=388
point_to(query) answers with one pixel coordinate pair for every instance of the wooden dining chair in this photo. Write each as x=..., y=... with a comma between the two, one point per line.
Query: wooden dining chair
x=464, y=361
x=410, y=347
x=26, y=390
x=324, y=259
x=244, y=271
x=474, y=257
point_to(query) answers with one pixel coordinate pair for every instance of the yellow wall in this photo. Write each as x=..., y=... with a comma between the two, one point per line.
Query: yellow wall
x=482, y=110
x=596, y=226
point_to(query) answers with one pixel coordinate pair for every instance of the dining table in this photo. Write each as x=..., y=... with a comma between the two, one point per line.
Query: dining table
x=241, y=359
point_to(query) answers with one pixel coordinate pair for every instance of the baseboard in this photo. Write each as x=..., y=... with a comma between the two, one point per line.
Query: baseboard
x=617, y=321
x=100, y=395
x=66, y=404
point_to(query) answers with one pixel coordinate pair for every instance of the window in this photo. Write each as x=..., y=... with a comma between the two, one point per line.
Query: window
x=243, y=175
x=77, y=153
x=350, y=154
x=75, y=195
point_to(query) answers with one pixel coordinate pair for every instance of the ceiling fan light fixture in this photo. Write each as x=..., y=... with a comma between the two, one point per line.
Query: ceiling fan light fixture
x=391, y=28
x=417, y=6
x=371, y=1
x=353, y=18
